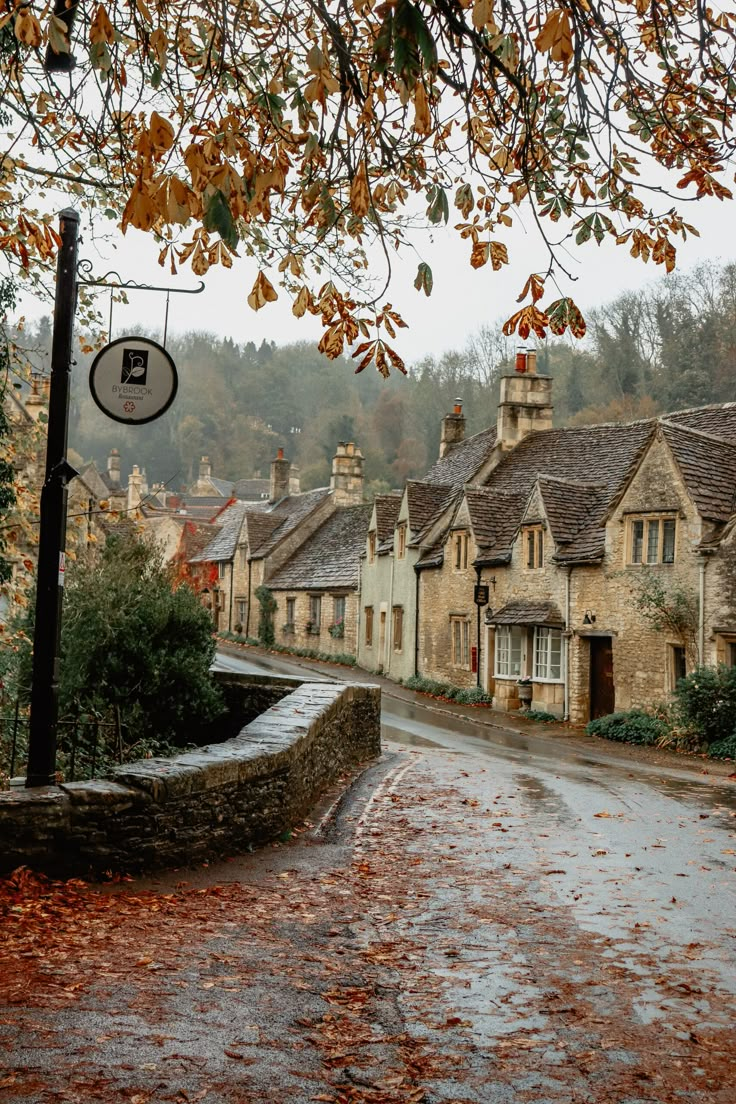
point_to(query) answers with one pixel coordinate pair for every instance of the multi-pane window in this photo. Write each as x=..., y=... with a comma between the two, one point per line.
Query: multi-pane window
x=401, y=541
x=398, y=627
x=678, y=664
x=290, y=610
x=315, y=612
x=652, y=540
x=371, y=547
x=220, y=569
x=461, y=551
x=368, y=626
x=510, y=651
x=241, y=606
x=533, y=537
x=338, y=610
x=547, y=654
x=460, y=630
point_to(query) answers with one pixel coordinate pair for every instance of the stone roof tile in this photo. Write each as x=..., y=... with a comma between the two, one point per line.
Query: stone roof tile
x=387, y=511
x=462, y=461
x=330, y=558
x=708, y=467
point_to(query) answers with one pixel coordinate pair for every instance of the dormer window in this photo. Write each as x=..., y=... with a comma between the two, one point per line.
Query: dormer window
x=533, y=546
x=651, y=540
x=461, y=551
x=371, y=546
x=401, y=541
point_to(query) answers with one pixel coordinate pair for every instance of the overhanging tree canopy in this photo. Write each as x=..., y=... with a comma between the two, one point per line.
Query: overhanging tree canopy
x=301, y=131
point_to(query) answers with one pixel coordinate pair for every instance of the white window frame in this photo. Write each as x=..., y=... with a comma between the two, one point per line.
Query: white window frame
x=510, y=640
x=543, y=652
x=338, y=608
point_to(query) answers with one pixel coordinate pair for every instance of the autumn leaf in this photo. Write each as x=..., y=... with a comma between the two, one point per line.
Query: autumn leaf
x=101, y=29
x=27, y=28
x=528, y=319
x=564, y=314
x=360, y=196
x=262, y=292
x=424, y=279
x=555, y=37
x=534, y=287
x=160, y=132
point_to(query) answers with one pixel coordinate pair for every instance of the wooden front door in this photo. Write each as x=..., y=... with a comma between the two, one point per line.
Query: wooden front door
x=602, y=692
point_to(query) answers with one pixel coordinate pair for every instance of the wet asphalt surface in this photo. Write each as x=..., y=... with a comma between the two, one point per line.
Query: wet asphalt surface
x=484, y=915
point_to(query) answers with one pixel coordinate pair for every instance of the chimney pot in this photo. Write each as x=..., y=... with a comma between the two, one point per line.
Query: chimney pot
x=521, y=359
x=280, y=454
x=280, y=472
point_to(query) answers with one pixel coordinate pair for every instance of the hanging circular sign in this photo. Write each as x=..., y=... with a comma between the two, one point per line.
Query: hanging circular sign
x=133, y=380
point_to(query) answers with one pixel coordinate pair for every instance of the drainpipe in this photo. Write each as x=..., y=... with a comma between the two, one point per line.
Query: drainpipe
x=701, y=611
x=232, y=591
x=568, y=598
x=477, y=606
x=416, y=621
x=247, y=616
x=389, y=639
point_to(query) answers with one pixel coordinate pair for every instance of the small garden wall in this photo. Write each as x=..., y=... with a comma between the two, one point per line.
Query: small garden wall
x=217, y=800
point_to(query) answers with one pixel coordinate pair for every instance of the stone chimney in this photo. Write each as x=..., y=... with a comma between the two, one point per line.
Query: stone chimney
x=280, y=477
x=294, y=481
x=134, y=489
x=525, y=405
x=347, y=474
x=205, y=468
x=113, y=468
x=34, y=403
x=453, y=428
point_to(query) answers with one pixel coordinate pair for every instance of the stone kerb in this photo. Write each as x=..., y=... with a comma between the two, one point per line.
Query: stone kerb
x=217, y=800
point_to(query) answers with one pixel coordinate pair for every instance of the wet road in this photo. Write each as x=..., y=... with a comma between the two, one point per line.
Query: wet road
x=617, y=837
x=482, y=917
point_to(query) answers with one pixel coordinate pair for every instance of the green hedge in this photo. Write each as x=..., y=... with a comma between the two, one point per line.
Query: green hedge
x=635, y=726
x=474, y=695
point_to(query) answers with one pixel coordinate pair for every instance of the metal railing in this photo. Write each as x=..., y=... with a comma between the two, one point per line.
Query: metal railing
x=85, y=744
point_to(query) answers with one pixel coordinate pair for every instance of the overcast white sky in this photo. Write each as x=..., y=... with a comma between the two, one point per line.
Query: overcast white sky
x=462, y=300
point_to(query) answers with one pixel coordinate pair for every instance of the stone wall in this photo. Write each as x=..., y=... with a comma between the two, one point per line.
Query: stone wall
x=215, y=801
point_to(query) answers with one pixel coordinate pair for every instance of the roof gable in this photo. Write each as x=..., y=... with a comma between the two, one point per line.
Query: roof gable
x=708, y=468
x=330, y=557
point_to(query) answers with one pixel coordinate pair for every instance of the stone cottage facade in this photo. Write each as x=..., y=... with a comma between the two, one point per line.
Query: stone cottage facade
x=282, y=543
x=567, y=528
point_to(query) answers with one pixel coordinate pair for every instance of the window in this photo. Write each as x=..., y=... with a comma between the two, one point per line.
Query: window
x=731, y=655
x=401, y=541
x=290, y=610
x=398, y=627
x=678, y=664
x=547, y=654
x=371, y=547
x=315, y=613
x=461, y=551
x=510, y=651
x=241, y=605
x=338, y=610
x=533, y=537
x=369, y=626
x=220, y=569
x=460, y=630
x=243, y=551
x=652, y=540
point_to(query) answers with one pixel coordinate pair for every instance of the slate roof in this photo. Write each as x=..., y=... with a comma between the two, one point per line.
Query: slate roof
x=205, y=508
x=462, y=461
x=527, y=613
x=195, y=537
x=292, y=510
x=494, y=517
x=719, y=420
x=387, y=511
x=708, y=467
x=253, y=490
x=259, y=526
x=223, y=487
x=222, y=547
x=330, y=558
x=425, y=501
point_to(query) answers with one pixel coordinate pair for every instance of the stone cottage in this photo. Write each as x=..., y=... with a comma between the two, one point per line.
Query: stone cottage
x=569, y=529
x=258, y=539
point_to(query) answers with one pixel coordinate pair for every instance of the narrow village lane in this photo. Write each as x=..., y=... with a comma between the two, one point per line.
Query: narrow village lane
x=465, y=924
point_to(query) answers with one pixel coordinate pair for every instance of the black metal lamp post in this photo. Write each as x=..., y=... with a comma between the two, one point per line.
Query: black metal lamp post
x=52, y=538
